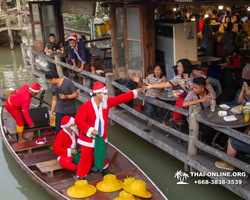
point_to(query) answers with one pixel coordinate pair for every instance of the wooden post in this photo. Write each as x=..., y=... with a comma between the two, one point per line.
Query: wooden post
x=58, y=67
x=193, y=131
x=24, y=54
x=111, y=91
x=19, y=15
x=31, y=56
x=24, y=8
x=8, y=25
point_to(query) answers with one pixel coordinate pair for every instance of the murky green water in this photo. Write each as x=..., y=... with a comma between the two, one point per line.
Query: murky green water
x=157, y=164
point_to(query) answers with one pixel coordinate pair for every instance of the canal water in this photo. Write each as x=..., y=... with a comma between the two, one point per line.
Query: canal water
x=157, y=164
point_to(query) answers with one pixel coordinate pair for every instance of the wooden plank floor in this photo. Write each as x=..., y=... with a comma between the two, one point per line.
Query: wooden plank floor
x=32, y=144
x=37, y=158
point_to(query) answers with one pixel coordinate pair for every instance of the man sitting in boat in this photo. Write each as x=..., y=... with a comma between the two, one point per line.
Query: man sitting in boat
x=18, y=106
x=92, y=120
x=65, y=144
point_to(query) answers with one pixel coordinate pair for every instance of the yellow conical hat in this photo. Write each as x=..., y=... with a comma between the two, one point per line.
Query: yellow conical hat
x=109, y=184
x=138, y=188
x=81, y=189
x=126, y=196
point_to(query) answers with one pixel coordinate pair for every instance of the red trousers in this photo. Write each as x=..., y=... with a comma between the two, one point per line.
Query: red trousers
x=67, y=163
x=16, y=114
x=87, y=161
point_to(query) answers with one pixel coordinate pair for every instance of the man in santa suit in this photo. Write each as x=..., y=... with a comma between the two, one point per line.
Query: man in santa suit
x=66, y=143
x=18, y=106
x=92, y=119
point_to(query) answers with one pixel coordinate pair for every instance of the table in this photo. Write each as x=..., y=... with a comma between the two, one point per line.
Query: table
x=164, y=96
x=213, y=119
x=212, y=63
x=171, y=100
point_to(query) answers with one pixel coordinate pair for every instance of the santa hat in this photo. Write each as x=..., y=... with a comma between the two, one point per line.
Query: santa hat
x=73, y=37
x=98, y=87
x=67, y=121
x=35, y=87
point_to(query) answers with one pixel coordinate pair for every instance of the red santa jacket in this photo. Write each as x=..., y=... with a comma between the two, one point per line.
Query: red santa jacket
x=88, y=116
x=64, y=142
x=21, y=100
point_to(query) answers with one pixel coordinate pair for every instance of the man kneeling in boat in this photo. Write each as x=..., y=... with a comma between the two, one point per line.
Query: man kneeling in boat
x=92, y=120
x=65, y=145
x=18, y=106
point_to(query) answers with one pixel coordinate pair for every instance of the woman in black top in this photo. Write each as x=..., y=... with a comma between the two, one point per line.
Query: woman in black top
x=207, y=38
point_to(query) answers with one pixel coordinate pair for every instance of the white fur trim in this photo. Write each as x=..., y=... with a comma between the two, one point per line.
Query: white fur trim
x=99, y=116
x=88, y=144
x=89, y=132
x=36, y=91
x=69, y=152
x=72, y=137
x=71, y=121
x=106, y=166
x=104, y=90
x=58, y=158
x=135, y=93
x=72, y=37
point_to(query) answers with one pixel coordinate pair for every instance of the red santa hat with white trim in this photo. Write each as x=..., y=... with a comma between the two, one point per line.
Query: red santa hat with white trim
x=67, y=121
x=35, y=87
x=73, y=37
x=98, y=87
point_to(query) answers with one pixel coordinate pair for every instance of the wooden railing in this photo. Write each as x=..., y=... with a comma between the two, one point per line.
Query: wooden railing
x=193, y=114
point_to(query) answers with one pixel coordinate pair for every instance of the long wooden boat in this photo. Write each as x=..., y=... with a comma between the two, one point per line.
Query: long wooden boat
x=40, y=163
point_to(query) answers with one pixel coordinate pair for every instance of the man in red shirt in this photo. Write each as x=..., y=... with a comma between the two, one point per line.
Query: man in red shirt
x=18, y=106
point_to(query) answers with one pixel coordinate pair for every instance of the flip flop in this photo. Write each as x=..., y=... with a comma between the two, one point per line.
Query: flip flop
x=26, y=139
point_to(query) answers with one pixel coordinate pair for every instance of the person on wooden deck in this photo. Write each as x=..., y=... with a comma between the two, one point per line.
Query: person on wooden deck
x=156, y=78
x=65, y=144
x=92, y=120
x=233, y=147
x=18, y=106
x=64, y=94
x=53, y=47
x=201, y=97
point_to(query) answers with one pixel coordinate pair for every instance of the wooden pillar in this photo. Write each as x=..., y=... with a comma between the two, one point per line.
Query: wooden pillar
x=24, y=54
x=19, y=15
x=24, y=9
x=193, y=131
x=31, y=56
x=58, y=67
x=113, y=35
x=111, y=91
x=8, y=25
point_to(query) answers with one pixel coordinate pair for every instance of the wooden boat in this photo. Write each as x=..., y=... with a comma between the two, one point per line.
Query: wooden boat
x=40, y=163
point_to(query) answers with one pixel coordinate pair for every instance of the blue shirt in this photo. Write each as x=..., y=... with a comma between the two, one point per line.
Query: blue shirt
x=82, y=51
x=100, y=125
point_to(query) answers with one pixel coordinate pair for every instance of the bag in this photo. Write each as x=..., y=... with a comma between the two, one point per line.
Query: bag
x=76, y=157
x=100, y=152
x=246, y=72
x=179, y=104
x=40, y=116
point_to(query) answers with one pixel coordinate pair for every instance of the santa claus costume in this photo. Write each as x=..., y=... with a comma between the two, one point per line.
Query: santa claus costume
x=91, y=117
x=65, y=142
x=18, y=105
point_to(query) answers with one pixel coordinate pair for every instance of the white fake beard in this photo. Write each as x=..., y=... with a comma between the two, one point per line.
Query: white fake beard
x=75, y=129
x=104, y=101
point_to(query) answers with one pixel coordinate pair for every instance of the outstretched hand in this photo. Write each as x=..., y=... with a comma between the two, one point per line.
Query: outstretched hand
x=139, y=90
x=149, y=86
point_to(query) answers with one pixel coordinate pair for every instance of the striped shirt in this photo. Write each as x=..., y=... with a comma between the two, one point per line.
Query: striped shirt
x=187, y=83
x=154, y=81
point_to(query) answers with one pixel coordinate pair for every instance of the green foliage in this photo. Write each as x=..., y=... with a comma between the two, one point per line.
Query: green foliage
x=101, y=11
x=81, y=21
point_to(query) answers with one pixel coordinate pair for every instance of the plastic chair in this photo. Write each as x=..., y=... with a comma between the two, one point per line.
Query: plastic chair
x=235, y=101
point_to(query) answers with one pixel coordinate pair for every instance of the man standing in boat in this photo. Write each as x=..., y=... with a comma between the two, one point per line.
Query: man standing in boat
x=65, y=145
x=92, y=120
x=64, y=94
x=18, y=106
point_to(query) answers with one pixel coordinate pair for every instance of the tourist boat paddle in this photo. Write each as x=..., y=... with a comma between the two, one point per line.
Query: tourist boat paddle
x=41, y=165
